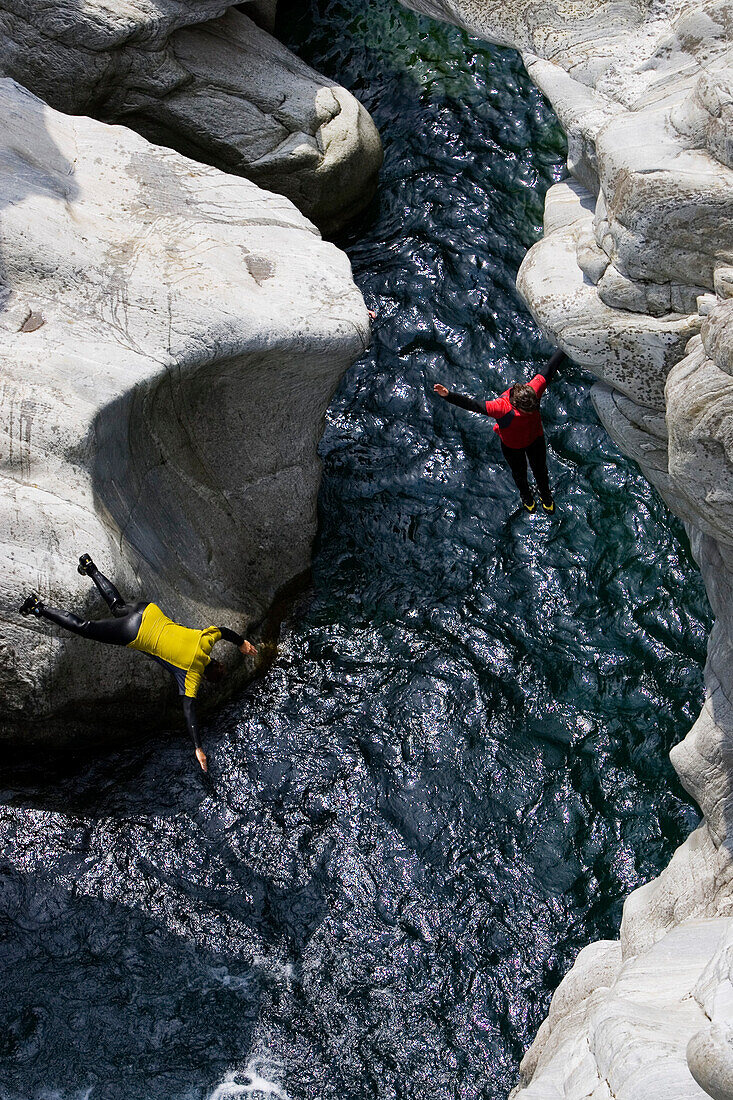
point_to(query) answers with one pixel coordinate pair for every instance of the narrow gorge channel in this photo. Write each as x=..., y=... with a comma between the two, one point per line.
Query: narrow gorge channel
x=457, y=768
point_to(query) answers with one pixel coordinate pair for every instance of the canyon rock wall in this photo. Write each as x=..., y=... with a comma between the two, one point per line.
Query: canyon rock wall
x=634, y=279
x=203, y=78
x=170, y=339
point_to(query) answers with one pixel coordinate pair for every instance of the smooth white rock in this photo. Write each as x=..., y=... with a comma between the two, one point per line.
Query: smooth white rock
x=629, y=351
x=627, y=1032
x=170, y=339
x=710, y=1050
x=205, y=79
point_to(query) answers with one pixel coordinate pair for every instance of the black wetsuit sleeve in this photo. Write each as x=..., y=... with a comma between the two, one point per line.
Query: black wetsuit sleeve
x=231, y=636
x=554, y=362
x=466, y=403
x=192, y=722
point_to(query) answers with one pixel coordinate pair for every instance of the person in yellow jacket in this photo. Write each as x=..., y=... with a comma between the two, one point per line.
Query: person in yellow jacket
x=185, y=653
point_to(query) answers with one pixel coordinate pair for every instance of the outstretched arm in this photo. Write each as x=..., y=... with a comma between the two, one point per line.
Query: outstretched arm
x=192, y=722
x=556, y=360
x=460, y=400
x=241, y=643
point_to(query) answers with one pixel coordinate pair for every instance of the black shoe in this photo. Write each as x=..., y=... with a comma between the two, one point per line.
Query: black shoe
x=549, y=508
x=85, y=565
x=31, y=606
x=529, y=505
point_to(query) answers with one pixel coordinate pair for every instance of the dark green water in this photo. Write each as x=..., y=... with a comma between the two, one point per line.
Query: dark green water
x=457, y=768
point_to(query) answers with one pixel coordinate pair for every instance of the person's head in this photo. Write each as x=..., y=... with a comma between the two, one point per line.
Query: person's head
x=523, y=398
x=215, y=672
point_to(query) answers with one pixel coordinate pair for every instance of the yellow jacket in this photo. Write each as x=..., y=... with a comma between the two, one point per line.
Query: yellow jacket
x=184, y=652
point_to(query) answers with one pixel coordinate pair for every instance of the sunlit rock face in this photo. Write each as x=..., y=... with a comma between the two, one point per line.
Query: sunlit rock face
x=203, y=78
x=634, y=279
x=170, y=339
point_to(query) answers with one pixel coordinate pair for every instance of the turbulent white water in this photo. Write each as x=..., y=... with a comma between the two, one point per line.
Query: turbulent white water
x=252, y=1082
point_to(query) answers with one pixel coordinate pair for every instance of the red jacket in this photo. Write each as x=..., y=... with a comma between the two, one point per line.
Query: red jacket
x=516, y=428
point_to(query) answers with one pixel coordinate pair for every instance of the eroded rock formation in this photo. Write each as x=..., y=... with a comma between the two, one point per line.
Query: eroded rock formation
x=634, y=278
x=170, y=339
x=203, y=78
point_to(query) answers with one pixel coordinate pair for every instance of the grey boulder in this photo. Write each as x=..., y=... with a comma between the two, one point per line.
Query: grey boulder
x=205, y=79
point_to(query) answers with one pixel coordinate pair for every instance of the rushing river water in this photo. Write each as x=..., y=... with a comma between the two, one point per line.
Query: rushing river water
x=457, y=767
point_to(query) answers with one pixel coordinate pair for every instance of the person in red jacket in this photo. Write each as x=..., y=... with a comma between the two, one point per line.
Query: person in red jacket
x=520, y=431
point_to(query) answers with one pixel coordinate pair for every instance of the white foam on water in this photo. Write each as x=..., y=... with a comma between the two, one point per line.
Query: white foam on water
x=54, y=1094
x=220, y=975
x=252, y=1082
x=283, y=971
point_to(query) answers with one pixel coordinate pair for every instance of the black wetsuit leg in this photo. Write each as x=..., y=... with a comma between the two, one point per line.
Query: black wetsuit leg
x=112, y=597
x=537, y=455
x=118, y=631
x=517, y=461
